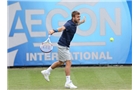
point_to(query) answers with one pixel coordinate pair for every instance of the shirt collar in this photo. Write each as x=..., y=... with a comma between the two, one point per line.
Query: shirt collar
x=75, y=24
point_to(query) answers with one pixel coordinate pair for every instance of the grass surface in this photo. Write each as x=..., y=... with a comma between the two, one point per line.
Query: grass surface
x=86, y=78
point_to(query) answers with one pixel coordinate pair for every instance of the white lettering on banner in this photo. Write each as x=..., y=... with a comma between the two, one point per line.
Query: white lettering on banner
x=54, y=56
x=108, y=56
x=33, y=56
x=30, y=22
x=94, y=55
x=86, y=55
x=104, y=17
x=81, y=56
x=47, y=56
x=102, y=56
x=75, y=56
x=27, y=56
x=40, y=55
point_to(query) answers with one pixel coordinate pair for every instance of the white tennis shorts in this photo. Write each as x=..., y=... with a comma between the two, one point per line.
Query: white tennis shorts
x=63, y=53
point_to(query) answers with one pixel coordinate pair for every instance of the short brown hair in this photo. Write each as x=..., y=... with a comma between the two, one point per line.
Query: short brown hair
x=75, y=13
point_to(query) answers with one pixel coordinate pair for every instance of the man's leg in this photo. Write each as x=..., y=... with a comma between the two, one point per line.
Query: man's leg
x=47, y=72
x=54, y=65
x=67, y=70
x=68, y=83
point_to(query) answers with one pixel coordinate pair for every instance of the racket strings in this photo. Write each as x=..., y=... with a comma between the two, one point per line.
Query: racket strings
x=47, y=45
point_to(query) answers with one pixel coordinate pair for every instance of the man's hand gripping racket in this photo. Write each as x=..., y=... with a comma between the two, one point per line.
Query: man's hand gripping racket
x=46, y=46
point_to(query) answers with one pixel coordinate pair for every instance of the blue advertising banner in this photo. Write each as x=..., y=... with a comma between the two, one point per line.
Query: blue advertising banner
x=30, y=20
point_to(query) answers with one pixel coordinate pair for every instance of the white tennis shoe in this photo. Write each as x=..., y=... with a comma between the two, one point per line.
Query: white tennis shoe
x=46, y=75
x=70, y=85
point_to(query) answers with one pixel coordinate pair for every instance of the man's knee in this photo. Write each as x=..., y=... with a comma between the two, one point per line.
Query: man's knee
x=61, y=63
x=68, y=62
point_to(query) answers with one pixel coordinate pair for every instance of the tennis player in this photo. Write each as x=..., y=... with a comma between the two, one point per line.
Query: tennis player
x=64, y=56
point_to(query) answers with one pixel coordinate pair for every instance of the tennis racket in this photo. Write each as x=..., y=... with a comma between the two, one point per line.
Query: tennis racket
x=46, y=46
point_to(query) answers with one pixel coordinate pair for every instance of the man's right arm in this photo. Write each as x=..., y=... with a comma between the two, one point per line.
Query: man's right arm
x=60, y=29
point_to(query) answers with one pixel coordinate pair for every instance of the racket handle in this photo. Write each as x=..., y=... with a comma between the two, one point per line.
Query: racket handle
x=48, y=40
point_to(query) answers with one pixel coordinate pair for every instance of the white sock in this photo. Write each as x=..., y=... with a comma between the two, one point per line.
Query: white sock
x=49, y=69
x=67, y=78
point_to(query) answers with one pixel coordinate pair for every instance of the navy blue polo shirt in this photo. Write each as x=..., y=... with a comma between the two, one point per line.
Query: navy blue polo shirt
x=68, y=33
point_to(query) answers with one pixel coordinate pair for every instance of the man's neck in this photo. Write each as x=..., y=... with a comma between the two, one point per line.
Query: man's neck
x=73, y=21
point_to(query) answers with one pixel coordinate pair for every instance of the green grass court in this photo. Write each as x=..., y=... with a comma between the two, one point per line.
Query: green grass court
x=86, y=78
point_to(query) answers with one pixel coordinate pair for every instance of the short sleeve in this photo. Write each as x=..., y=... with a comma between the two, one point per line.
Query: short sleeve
x=67, y=25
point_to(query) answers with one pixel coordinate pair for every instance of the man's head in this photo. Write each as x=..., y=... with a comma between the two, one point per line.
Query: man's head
x=75, y=16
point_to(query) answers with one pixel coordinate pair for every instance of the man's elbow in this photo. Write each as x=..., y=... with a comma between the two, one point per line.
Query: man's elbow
x=61, y=29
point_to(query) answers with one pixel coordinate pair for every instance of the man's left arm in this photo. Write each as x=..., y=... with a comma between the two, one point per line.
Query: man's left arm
x=82, y=21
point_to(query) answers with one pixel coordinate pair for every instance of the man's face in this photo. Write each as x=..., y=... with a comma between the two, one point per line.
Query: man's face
x=76, y=19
